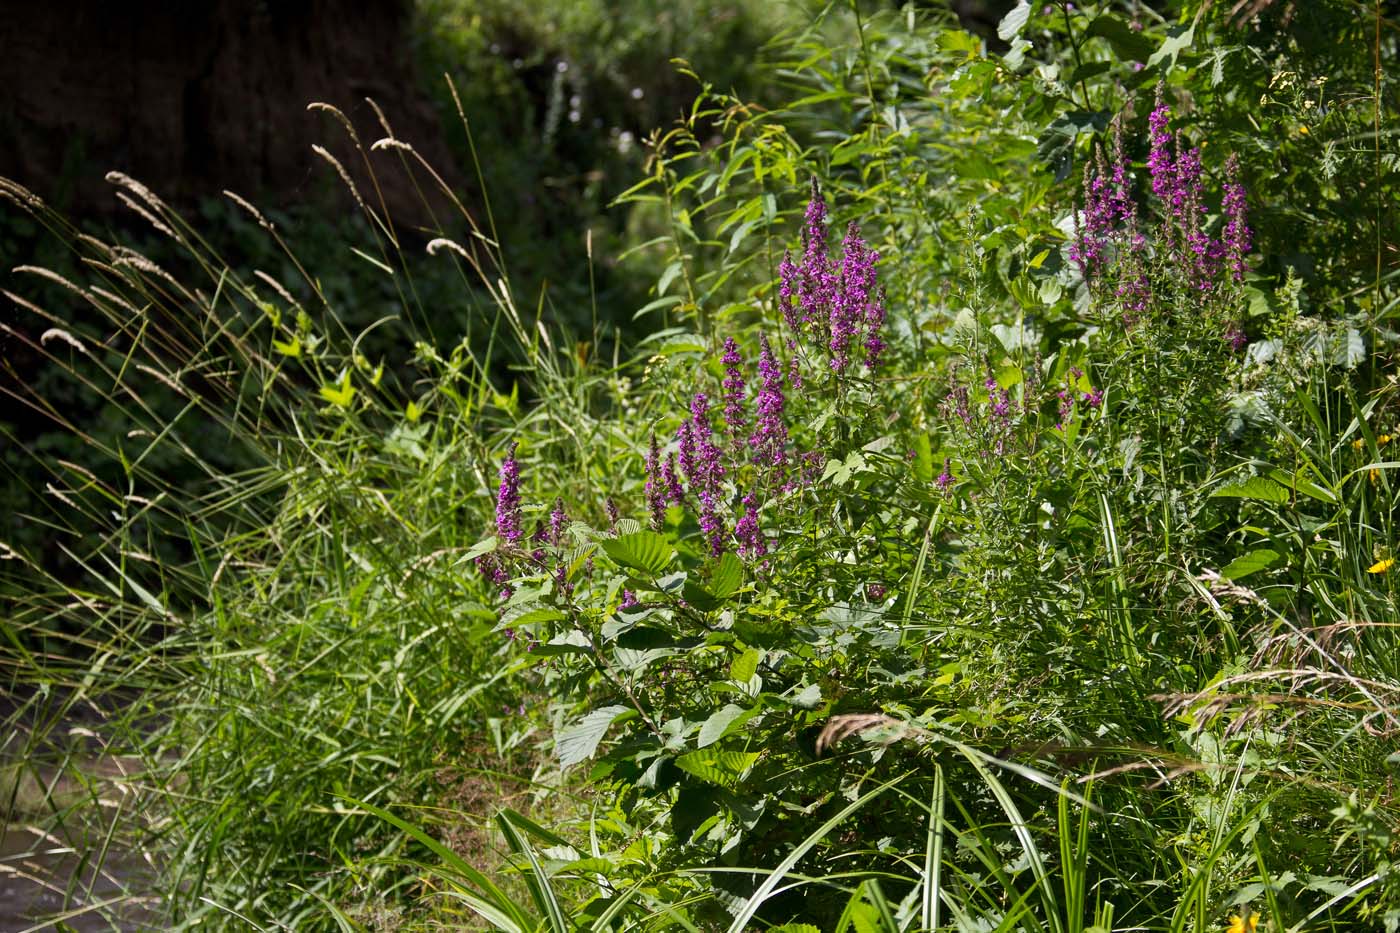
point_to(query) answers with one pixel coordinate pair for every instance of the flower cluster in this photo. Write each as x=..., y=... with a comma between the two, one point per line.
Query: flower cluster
x=836, y=304
x=1109, y=235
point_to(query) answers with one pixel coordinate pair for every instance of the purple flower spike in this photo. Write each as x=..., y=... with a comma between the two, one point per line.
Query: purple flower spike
x=508, y=500
x=674, y=490
x=787, y=288
x=816, y=279
x=734, y=389
x=711, y=523
x=945, y=479
x=769, y=440
x=849, y=310
x=1238, y=237
x=747, y=532
x=656, y=487
x=1160, y=163
x=558, y=521
x=707, y=458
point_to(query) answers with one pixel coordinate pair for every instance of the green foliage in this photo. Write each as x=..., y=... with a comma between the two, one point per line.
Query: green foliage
x=1071, y=612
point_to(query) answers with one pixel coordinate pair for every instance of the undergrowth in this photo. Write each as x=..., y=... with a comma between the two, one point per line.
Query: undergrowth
x=993, y=533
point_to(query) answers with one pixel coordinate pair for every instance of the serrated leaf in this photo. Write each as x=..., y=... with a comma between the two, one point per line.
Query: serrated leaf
x=1259, y=488
x=646, y=551
x=579, y=741
x=1012, y=23
x=808, y=698
x=723, y=722
x=1254, y=561
x=724, y=768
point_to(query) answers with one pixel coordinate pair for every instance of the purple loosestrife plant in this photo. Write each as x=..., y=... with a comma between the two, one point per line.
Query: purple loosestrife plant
x=836, y=305
x=751, y=542
x=657, y=488
x=558, y=521
x=508, y=501
x=769, y=440
x=1238, y=237
x=734, y=390
x=852, y=299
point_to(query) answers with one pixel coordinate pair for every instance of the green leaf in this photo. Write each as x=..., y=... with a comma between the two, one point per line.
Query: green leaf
x=728, y=576
x=724, y=722
x=1012, y=23
x=808, y=697
x=1177, y=41
x=1254, y=561
x=724, y=768
x=646, y=551
x=1126, y=43
x=1256, y=487
x=579, y=741
x=745, y=665
x=341, y=393
x=923, y=459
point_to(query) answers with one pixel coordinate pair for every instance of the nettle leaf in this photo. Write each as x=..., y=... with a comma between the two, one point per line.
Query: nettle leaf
x=1012, y=23
x=1254, y=561
x=579, y=741
x=646, y=551
x=724, y=722
x=724, y=768
x=1259, y=488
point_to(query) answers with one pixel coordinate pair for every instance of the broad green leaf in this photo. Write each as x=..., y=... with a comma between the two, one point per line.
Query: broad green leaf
x=579, y=741
x=1259, y=488
x=1126, y=43
x=1012, y=23
x=1177, y=41
x=717, y=767
x=923, y=459
x=724, y=722
x=745, y=665
x=728, y=576
x=1254, y=561
x=808, y=697
x=646, y=551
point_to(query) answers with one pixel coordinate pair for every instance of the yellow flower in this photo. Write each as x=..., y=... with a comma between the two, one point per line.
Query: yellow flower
x=1247, y=923
x=1383, y=439
x=1381, y=566
x=1358, y=444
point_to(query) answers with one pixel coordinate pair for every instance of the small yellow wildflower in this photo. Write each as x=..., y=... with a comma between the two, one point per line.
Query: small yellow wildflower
x=1381, y=566
x=1246, y=923
x=1383, y=439
x=1375, y=475
x=1358, y=444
